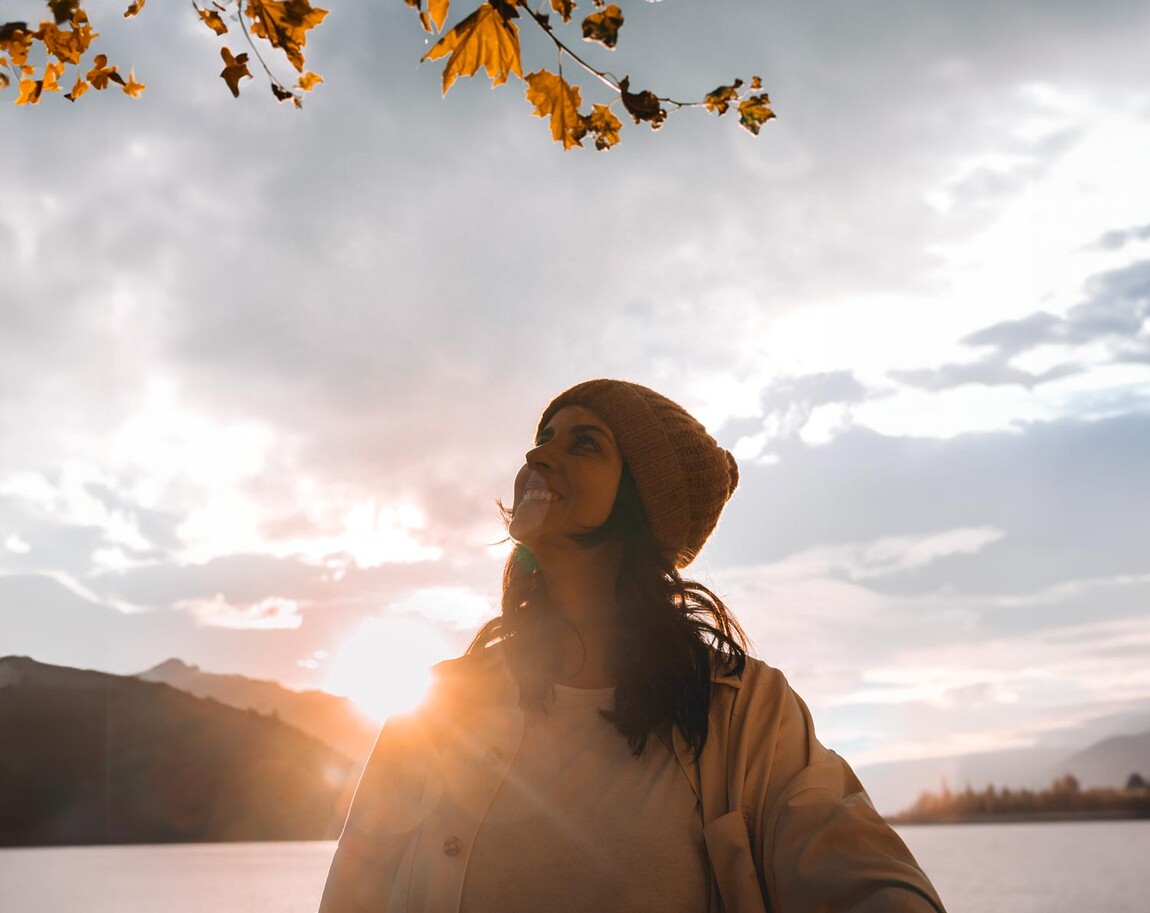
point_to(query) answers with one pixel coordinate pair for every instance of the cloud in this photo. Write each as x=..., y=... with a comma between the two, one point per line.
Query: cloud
x=269, y=613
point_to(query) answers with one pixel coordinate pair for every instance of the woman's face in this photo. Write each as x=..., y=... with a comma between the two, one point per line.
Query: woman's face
x=568, y=483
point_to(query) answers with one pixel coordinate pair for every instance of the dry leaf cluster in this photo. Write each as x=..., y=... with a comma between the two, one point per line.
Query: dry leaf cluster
x=486, y=38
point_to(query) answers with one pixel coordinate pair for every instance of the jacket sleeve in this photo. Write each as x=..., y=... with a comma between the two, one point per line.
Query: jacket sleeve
x=386, y=811
x=824, y=847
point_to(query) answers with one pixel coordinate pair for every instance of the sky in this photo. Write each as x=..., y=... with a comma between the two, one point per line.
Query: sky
x=265, y=373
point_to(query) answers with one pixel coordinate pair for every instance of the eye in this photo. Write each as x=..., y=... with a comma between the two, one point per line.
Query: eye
x=585, y=441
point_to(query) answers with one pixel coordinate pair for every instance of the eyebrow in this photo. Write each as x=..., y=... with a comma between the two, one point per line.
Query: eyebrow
x=549, y=432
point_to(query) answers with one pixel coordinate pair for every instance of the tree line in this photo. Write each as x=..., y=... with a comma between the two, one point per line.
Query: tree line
x=1064, y=799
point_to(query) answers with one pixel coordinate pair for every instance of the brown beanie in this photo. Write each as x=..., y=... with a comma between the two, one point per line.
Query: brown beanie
x=683, y=476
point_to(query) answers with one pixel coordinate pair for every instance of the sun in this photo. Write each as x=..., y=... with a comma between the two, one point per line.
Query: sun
x=384, y=667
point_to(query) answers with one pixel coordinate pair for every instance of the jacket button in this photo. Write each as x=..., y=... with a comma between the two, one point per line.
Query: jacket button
x=452, y=846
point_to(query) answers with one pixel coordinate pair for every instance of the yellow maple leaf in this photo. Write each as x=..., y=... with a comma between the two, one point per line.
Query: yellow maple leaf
x=564, y=8
x=67, y=46
x=554, y=97
x=437, y=10
x=52, y=74
x=235, y=68
x=77, y=90
x=285, y=23
x=308, y=81
x=212, y=20
x=484, y=39
x=29, y=92
x=134, y=7
x=101, y=73
x=604, y=26
x=133, y=88
x=604, y=124
x=15, y=42
x=720, y=99
x=754, y=112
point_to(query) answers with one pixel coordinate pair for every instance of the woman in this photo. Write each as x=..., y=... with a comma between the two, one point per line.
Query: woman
x=606, y=744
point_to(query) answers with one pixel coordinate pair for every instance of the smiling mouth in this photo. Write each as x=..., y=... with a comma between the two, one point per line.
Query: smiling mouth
x=538, y=494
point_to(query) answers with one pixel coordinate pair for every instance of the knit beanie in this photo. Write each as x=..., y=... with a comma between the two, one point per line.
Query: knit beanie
x=682, y=475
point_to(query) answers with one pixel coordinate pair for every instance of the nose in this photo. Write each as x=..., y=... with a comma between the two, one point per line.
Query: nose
x=539, y=455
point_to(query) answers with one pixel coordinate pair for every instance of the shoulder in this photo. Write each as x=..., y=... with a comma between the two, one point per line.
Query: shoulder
x=756, y=681
x=478, y=677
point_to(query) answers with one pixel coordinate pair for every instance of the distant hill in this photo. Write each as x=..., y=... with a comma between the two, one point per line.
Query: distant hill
x=1105, y=763
x=1109, y=762
x=334, y=720
x=94, y=758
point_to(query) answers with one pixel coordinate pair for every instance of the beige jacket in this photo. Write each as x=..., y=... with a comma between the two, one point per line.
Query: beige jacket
x=787, y=825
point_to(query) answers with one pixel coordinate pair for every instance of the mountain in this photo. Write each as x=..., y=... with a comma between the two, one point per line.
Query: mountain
x=894, y=786
x=334, y=720
x=1109, y=762
x=95, y=758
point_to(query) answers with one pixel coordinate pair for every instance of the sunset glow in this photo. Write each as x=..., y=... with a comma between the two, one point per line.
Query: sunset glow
x=385, y=664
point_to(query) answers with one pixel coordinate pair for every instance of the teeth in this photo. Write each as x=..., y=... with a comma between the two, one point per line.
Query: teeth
x=539, y=494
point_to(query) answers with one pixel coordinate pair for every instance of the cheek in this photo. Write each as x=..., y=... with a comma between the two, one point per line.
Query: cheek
x=520, y=483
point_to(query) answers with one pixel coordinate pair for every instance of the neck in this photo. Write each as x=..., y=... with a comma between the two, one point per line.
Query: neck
x=581, y=587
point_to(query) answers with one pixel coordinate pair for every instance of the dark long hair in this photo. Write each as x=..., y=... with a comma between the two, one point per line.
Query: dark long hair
x=675, y=634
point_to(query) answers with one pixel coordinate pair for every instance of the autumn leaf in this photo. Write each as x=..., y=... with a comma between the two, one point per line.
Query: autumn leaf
x=437, y=10
x=16, y=42
x=553, y=97
x=564, y=8
x=235, y=68
x=484, y=39
x=604, y=124
x=721, y=98
x=285, y=23
x=308, y=81
x=66, y=46
x=29, y=92
x=101, y=73
x=4, y=80
x=604, y=26
x=64, y=10
x=212, y=20
x=754, y=112
x=642, y=106
x=77, y=90
x=52, y=74
x=133, y=88
x=134, y=7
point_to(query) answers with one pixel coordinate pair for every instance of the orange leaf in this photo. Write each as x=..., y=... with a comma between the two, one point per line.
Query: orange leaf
x=604, y=26
x=552, y=96
x=101, y=73
x=484, y=39
x=52, y=74
x=235, y=68
x=77, y=90
x=720, y=99
x=30, y=92
x=66, y=46
x=604, y=124
x=564, y=8
x=134, y=7
x=754, y=112
x=212, y=20
x=15, y=42
x=437, y=10
x=285, y=24
x=4, y=80
x=133, y=88
x=308, y=81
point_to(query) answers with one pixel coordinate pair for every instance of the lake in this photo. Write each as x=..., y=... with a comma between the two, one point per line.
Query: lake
x=977, y=868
